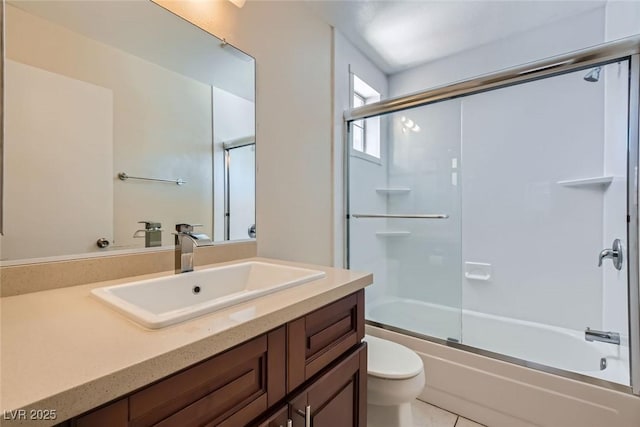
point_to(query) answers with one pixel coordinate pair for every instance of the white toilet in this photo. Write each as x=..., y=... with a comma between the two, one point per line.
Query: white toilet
x=395, y=379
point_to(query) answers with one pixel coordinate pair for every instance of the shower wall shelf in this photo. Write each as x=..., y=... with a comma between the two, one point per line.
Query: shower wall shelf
x=585, y=182
x=393, y=233
x=393, y=190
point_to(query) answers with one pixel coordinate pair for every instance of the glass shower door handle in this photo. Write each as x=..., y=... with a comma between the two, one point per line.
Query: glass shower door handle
x=615, y=253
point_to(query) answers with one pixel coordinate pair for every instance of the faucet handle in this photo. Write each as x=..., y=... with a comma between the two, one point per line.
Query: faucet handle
x=140, y=233
x=151, y=225
x=186, y=228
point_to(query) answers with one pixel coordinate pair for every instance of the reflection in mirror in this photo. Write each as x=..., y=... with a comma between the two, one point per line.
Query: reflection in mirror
x=120, y=122
x=240, y=165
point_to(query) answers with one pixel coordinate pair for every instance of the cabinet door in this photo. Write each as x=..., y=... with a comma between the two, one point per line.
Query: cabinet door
x=321, y=337
x=337, y=397
x=279, y=419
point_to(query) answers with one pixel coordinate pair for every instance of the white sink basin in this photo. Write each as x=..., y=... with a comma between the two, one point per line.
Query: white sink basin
x=156, y=303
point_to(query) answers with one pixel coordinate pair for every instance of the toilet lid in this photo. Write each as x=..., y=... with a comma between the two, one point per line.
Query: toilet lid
x=386, y=359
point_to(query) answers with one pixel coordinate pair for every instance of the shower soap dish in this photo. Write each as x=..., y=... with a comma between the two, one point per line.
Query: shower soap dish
x=477, y=271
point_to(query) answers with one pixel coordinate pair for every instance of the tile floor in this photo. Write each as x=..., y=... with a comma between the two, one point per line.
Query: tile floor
x=425, y=415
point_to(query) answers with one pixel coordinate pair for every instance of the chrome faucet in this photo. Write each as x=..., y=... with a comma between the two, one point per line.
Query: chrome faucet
x=615, y=253
x=186, y=242
x=608, y=337
x=152, y=233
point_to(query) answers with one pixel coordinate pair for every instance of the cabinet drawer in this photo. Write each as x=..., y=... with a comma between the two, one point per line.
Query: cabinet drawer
x=320, y=337
x=239, y=384
x=113, y=415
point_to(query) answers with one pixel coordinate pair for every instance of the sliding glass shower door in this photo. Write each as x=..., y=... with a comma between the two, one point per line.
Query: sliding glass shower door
x=498, y=220
x=544, y=196
x=405, y=221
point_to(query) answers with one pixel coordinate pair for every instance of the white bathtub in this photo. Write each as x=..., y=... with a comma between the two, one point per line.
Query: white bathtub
x=541, y=344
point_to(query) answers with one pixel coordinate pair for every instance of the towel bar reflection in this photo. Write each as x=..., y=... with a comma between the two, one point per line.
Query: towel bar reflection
x=123, y=176
x=414, y=216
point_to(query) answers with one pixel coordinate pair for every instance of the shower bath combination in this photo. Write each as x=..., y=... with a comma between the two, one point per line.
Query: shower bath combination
x=467, y=209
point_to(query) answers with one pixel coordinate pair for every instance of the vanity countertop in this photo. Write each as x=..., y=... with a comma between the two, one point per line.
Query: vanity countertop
x=66, y=351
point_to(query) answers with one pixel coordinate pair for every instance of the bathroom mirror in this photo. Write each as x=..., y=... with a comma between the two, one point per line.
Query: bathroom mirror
x=117, y=113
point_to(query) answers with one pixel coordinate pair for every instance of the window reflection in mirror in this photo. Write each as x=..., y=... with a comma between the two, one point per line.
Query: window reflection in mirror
x=117, y=114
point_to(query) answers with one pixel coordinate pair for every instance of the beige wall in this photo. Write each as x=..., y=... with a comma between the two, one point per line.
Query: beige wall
x=161, y=128
x=293, y=56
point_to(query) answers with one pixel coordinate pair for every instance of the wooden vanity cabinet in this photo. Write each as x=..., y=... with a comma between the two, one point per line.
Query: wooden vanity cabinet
x=227, y=390
x=230, y=389
x=320, y=337
x=337, y=397
x=279, y=419
x=317, y=360
x=113, y=415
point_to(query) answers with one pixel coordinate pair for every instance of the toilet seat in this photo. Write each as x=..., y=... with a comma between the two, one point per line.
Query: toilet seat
x=389, y=360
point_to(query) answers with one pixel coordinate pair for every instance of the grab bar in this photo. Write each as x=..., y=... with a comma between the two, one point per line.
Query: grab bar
x=123, y=176
x=411, y=216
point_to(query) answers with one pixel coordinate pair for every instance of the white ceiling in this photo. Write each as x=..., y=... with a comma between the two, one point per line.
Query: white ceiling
x=400, y=34
x=149, y=31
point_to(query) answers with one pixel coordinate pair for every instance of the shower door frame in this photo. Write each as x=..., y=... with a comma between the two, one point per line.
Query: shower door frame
x=627, y=49
x=633, y=224
x=227, y=147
